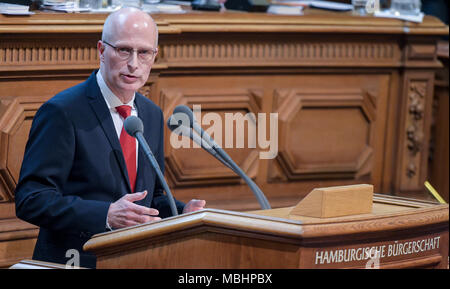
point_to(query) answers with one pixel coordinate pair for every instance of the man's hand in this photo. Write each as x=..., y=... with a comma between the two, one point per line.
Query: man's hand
x=124, y=213
x=194, y=205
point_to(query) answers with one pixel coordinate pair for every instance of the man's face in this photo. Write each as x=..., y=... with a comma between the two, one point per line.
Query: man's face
x=126, y=76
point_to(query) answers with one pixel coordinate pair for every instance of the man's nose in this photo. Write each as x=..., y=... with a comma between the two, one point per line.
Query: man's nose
x=133, y=61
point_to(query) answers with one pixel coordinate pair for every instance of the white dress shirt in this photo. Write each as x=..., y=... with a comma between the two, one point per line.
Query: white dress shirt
x=112, y=101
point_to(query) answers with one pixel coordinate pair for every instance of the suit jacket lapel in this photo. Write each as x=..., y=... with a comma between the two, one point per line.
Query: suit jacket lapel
x=142, y=159
x=100, y=109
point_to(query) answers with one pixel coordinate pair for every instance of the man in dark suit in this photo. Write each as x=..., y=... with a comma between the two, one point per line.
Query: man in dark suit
x=81, y=173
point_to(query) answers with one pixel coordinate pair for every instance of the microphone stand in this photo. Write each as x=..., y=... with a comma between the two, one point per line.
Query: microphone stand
x=152, y=159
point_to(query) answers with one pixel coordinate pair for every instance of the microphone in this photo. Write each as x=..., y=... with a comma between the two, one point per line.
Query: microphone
x=183, y=109
x=205, y=137
x=175, y=126
x=264, y=203
x=134, y=127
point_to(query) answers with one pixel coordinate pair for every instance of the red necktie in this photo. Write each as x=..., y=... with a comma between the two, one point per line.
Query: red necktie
x=128, y=144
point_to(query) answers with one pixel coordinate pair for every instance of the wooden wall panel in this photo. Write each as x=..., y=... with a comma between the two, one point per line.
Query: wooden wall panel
x=439, y=140
x=20, y=98
x=192, y=166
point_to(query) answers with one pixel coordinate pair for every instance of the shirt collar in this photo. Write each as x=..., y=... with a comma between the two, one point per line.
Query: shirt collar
x=112, y=101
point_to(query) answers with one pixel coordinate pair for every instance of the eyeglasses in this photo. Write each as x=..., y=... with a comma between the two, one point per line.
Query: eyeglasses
x=125, y=52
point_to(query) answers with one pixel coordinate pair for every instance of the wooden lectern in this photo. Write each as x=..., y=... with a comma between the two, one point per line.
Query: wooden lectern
x=396, y=233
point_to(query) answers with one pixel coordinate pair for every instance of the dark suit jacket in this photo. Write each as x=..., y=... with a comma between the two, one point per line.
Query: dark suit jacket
x=73, y=169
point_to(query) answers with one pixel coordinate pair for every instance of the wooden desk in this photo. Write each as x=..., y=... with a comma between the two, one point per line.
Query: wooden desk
x=353, y=95
x=406, y=233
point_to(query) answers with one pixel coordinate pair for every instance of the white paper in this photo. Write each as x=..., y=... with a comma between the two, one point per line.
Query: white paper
x=389, y=14
x=162, y=8
x=331, y=5
x=14, y=9
x=285, y=10
x=317, y=4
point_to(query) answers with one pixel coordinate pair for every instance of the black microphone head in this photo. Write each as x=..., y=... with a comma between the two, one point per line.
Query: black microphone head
x=173, y=123
x=182, y=116
x=185, y=110
x=133, y=125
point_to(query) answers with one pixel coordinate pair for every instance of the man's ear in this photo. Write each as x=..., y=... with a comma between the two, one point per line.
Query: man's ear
x=101, y=50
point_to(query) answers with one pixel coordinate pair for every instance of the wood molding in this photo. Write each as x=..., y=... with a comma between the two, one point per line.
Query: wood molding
x=14, y=128
x=280, y=51
x=48, y=52
x=292, y=104
x=313, y=21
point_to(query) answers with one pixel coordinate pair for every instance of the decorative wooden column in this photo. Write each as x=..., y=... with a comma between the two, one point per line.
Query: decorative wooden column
x=416, y=116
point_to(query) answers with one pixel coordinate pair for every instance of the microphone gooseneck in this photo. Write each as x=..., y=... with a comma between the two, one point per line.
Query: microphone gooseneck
x=176, y=126
x=134, y=127
x=220, y=154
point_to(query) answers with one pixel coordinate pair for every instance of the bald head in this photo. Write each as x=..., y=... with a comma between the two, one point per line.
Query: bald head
x=127, y=51
x=129, y=20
